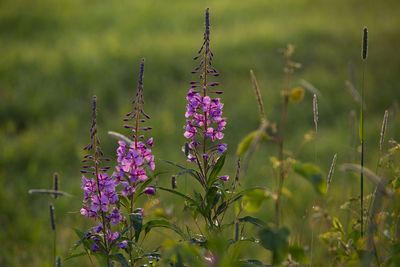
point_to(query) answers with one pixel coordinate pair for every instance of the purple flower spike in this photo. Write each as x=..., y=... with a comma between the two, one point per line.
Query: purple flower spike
x=136, y=160
x=99, y=192
x=205, y=123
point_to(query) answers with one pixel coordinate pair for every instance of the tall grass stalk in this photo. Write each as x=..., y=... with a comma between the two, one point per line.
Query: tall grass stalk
x=331, y=172
x=376, y=196
x=288, y=71
x=364, y=56
x=53, y=228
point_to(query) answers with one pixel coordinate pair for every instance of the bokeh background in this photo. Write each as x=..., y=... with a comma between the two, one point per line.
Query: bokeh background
x=56, y=54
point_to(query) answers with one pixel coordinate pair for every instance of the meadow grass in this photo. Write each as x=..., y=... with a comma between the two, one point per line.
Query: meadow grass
x=55, y=55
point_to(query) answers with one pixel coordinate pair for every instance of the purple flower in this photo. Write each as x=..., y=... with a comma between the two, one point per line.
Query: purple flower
x=132, y=164
x=99, y=191
x=123, y=244
x=204, y=111
x=221, y=148
x=150, y=190
x=224, y=178
x=115, y=216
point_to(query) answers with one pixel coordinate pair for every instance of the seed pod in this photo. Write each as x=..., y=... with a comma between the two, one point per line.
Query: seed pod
x=365, y=44
x=315, y=111
x=331, y=171
x=383, y=130
x=173, y=182
x=52, y=218
x=55, y=183
x=58, y=261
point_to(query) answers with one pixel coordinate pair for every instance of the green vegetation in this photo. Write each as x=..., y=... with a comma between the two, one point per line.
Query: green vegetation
x=56, y=54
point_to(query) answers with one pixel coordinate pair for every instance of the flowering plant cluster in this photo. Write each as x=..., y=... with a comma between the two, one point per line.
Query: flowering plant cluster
x=100, y=195
x=134, y=158
x=103, y=193
x=204, y=113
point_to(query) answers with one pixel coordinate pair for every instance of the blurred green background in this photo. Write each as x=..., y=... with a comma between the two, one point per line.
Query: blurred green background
x=56, y=54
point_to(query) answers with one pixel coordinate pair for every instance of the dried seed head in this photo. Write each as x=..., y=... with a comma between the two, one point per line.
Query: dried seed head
x=173, y=182
x=55, y=183
x=58, y=261
x=383, y=130
x=52, y=218
x=315, y=111
x=258, y=96
x=331, y=171
x=365, y=44
x=237, y=176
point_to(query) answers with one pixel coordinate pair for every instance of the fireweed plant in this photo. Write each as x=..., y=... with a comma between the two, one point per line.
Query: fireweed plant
x=100, y=197
x=204, y=134
x=135, y=163
x=110, y=199
x=206, y=151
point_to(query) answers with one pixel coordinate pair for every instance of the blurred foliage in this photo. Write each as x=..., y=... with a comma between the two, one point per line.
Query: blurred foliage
x=57, y=54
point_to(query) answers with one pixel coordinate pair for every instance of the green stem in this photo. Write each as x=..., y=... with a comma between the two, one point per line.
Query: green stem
x=362, y=155
x=281, y=146
x=96, y=165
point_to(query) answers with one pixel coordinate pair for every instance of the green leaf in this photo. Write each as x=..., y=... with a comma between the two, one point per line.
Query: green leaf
x=298, y=254
x=337, y=225
x=192, y=172
x=164, y=224
x=253, y=220
x=252, y=201
x=136, y=223
x=213, y=195
x=244, y=144
x=216, y=169
x=221, y=208
x=187, y=198
x=251, y=262
x=142, y=188
x=75, y=255
x=276, y=241
x=313, y=174
x=239, y=195
x=82, y=240
x=121, y=259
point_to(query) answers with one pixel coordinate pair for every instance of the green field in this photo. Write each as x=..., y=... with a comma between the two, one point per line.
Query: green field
x=56, y=54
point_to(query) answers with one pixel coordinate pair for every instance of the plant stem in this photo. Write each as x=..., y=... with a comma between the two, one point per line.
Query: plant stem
x=130, y=232
x=281, y=145
x=362, y=154
x=55, y=248
x=96, y=165
x=205, y=160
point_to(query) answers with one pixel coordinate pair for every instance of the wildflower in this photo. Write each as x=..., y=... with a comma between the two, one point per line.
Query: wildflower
x=99, y=193
x=150, y=190
x=123, y=244
x=205, y=123
x=224, y=178
x=134, y=161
